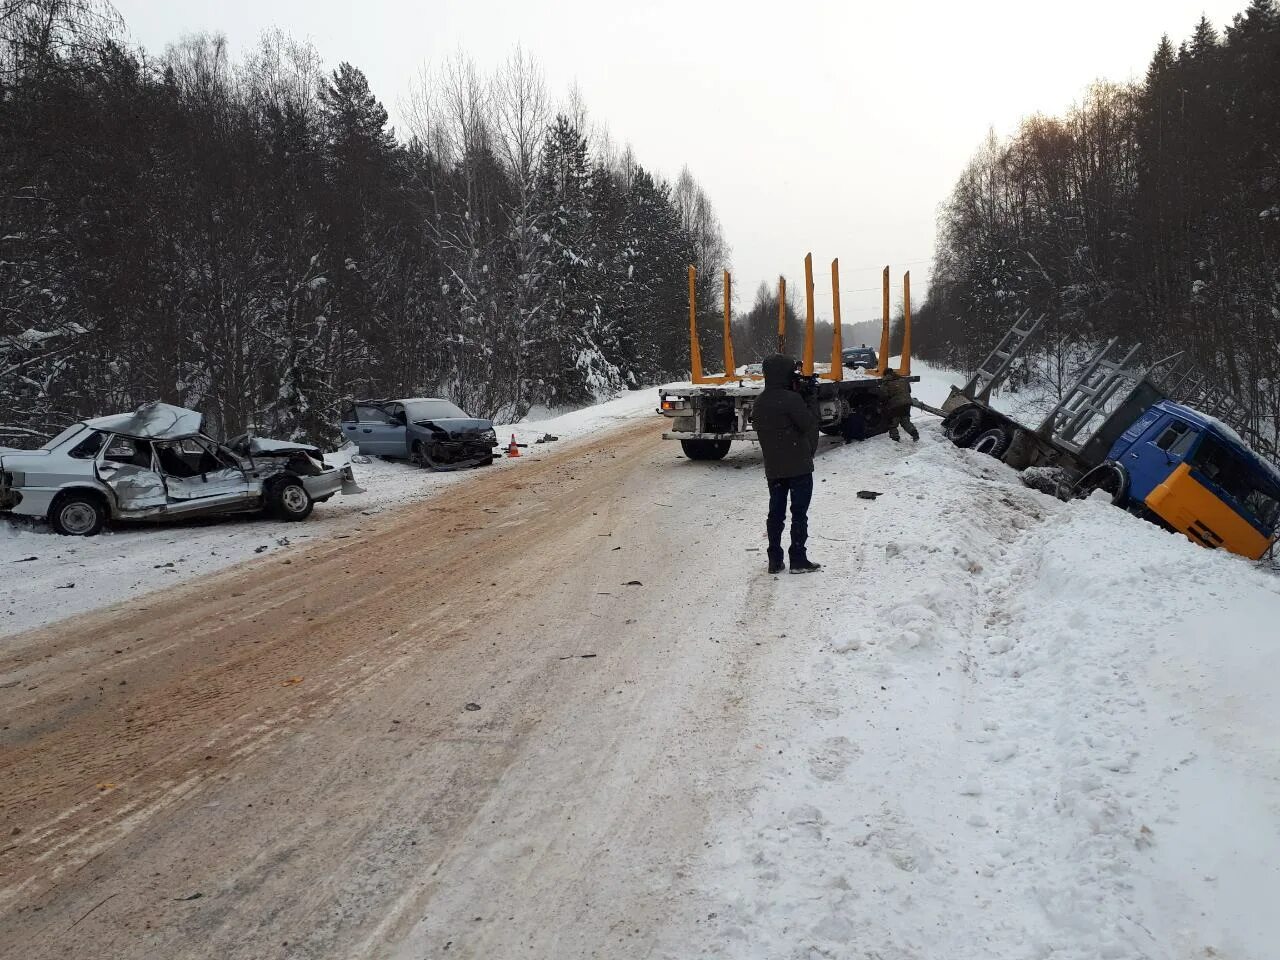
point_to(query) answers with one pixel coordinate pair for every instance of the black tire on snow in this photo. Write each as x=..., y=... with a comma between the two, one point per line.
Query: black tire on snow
x=78, y=514
x=994, y=442
x=964, y=426
x=705, y=449
x=1111, y=478
x=288, y=500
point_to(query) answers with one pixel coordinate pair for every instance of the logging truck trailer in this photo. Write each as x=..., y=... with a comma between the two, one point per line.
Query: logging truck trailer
x=715, y=410
x=1120, y=430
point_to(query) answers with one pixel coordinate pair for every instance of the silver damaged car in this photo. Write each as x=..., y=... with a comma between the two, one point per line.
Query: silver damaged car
x=155, y=464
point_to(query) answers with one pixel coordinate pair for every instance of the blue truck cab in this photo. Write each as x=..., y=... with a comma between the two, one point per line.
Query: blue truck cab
x=1197, y=476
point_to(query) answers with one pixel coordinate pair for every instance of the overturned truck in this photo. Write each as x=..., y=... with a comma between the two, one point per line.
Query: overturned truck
x=1151, y=439
x=715, y=410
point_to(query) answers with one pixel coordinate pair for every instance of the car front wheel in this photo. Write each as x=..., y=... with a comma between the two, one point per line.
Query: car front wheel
x=78, y=515
x=289, y=500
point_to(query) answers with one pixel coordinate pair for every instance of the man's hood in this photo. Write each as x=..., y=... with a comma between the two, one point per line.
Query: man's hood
x=778, y=370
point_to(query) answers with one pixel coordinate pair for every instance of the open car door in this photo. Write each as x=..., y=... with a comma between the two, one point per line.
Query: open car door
x=199, y=474
x=126, y=465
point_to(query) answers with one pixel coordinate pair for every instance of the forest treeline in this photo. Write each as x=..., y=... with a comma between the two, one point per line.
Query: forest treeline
x=1150, y=212
x=252, y=239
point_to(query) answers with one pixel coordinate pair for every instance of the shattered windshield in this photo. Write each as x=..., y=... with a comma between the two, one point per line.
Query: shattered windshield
x=433, y=410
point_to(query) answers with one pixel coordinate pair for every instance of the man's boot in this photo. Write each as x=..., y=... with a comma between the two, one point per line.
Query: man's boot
x=894, y=436
x=914, y=433
x=775, y=562
x=804, y=566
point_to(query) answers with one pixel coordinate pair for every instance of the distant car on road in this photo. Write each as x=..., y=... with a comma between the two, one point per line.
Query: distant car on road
x=863, y=357
x=429, y=431
x=155, y=464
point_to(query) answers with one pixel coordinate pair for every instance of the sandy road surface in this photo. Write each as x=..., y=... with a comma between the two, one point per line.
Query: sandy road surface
x=287, y=760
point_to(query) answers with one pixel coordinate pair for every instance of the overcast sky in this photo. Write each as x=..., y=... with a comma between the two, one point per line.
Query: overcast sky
x=824, y=126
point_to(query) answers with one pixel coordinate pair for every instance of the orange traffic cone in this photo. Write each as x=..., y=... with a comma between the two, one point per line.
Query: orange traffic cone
x=513, y=450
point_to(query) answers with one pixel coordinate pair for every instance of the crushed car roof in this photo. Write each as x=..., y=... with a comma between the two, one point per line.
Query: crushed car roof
x=151, y=421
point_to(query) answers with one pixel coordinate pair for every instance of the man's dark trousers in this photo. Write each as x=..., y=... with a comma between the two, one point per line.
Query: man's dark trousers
x=800, y=490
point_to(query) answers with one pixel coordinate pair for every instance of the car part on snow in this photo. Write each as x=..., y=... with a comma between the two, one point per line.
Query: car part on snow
x=443, y=456
x=868, y=494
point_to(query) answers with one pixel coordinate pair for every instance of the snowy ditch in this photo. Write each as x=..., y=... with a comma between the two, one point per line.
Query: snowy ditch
x=1019, y=728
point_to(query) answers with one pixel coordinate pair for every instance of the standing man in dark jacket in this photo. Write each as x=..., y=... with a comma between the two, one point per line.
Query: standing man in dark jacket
x=787, y=428
x=898, y=402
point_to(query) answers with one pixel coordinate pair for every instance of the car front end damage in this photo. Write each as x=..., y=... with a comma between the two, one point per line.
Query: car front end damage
x=452, y=444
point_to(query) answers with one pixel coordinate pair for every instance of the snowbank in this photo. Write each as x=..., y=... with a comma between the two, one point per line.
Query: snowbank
x=997, y=725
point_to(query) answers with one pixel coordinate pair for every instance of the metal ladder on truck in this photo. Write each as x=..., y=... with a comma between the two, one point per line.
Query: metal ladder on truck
x=995, y=368
x=1090, y=398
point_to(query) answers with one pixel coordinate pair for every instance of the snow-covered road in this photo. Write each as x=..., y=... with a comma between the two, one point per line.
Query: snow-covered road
x=994, y=726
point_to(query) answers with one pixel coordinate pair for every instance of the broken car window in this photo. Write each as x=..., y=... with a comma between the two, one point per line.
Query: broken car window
x=185, y=458
x=125, y=450
x=1171, y=433
x=88, y=448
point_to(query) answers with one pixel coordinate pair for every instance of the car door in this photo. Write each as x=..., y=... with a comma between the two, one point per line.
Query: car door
x=1162, y=448
x=198, y=474
x=374, y=431
x=391, y=433
x=126, y=465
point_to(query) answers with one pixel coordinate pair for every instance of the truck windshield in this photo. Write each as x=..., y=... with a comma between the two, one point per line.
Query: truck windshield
x=1229, y=471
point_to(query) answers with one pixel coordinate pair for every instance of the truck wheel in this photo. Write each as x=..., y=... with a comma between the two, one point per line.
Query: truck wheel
x=705, y=449
x=964, y=426
x=1111, y=478
x=289, y=500
x=995, y=442
x=78, y=515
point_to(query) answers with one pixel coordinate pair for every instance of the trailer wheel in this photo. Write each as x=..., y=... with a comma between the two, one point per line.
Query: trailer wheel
x=995, y=442
x=1111, y=478
x=705, y=449
x=964, y=426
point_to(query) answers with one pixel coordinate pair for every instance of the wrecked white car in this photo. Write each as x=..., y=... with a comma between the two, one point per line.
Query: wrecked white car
x=155, y=464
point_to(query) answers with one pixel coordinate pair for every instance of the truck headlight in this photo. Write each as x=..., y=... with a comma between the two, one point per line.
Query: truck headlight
x=490, y=436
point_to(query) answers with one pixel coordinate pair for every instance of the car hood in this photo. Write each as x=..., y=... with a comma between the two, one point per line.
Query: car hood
x=151, y=421
x=456, y=426
x=246, y=445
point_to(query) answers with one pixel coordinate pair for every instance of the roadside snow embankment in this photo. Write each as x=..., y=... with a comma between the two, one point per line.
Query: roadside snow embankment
x=1001, y=726
x=47, y=578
